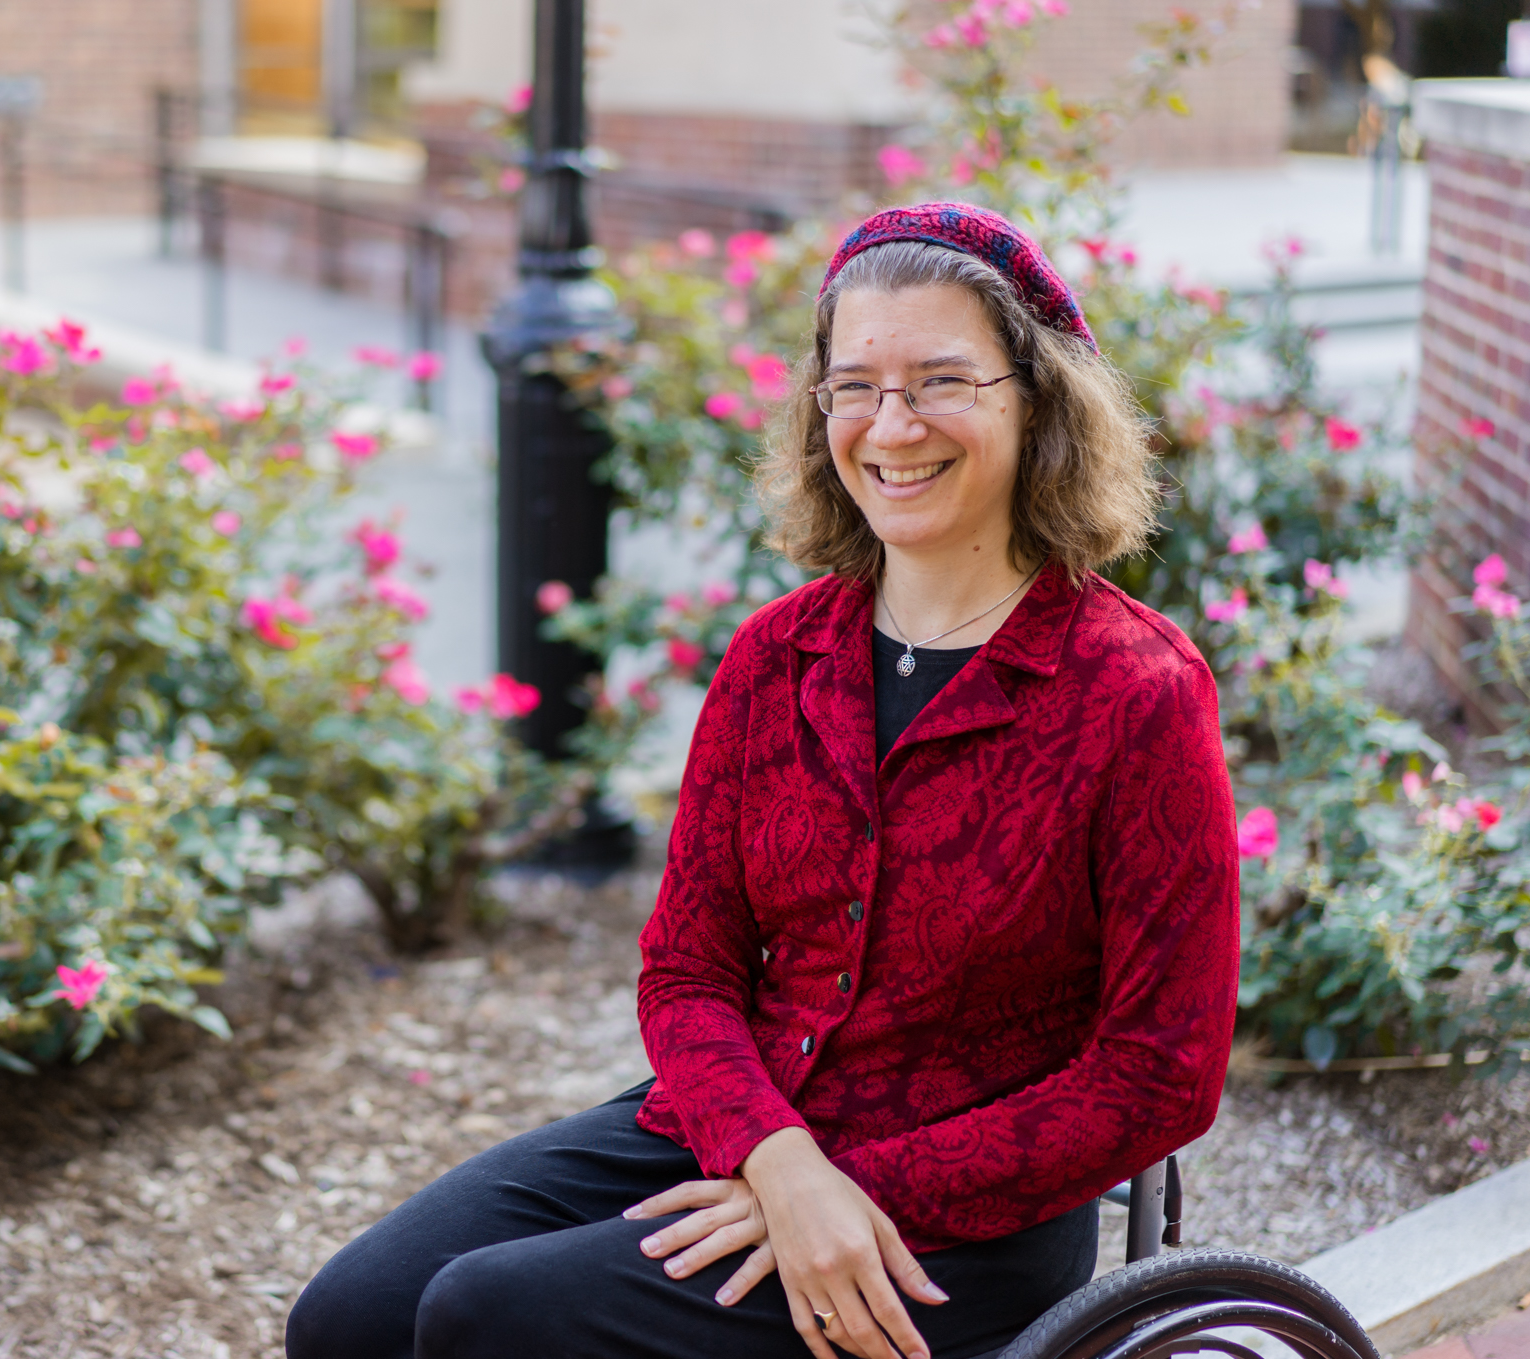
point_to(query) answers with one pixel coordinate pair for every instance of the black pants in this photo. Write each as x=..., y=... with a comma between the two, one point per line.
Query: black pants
x=522, y=1251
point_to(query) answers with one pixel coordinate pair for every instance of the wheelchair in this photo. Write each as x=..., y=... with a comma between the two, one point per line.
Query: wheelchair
x=1167, y=1304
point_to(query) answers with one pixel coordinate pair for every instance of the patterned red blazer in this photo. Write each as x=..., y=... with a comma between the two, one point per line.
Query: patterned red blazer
x=993, y=976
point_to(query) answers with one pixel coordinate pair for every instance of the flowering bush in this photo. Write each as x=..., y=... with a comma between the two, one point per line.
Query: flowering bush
x=208, y=692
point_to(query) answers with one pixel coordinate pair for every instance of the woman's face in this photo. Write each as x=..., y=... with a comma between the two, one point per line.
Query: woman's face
x=926, y=482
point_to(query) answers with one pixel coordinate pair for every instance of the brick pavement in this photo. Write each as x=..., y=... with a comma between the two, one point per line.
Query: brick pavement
x=1506, y=1338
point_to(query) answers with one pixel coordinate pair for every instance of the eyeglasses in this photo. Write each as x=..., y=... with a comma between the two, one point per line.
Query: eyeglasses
x=938, y=395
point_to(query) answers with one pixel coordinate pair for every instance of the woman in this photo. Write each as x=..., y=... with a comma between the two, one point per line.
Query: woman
x=947, y=940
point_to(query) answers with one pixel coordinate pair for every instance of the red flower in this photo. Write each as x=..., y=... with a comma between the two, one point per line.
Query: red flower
x=1342, y=437
x=684, y=655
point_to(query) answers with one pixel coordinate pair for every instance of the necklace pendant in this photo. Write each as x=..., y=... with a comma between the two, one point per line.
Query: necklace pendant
x=906, y=664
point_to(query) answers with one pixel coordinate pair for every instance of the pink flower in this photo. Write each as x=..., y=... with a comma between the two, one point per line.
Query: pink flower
x=698, y=244
x=734, y=312
x=124, y=537
x=641, y=692
x=355, y=447
x=376, y=356
x=751, y=245
x=1228, y=610
x=678, y=603
x=380, y=547
x=741, y=354
x=553, y=596
x=269, y=619
x=1342, y=437
x=425, y=366
x=226, y=522
x=1056, y=8
x=1499, y=603
x=1018, y=13
x=1096, y=247
x=508, y=697
x=961, y=170
x=393, y=651
x=684, y=655
x=1490, y=571
x=242, y=412
x=751, y=419
x=294, y=346
x=1320, y=578
x=468, y=699
x=721, y=405
x=770, y=377
x=616, y=388
x=66, y=335
x=196, y=461
x=1412, y=785
x=716, y=593
x=1478, y=429
x=1251, y=539
x=408, y=681
x=1488, y=814
x=1449, y=1119
x=86, y=567
x=518, y=100
x=420, y=1077
x=1478, y=1145
x=273, y=384
x=512, y=179
x=1440, y=772
x=138, y=392
x=1450, y=819
x=1258, y=834
x=943, y=36
x=900, y=164
x=741, y=273
x=971, y=29
x=80, y=987
x=26, y=357
x=286, y=452
x=399, y=597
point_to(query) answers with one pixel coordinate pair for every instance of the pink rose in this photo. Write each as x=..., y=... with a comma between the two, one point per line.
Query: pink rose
x=741, y=273
x=380, y=547
x=721, y=405
x=1342, y=436
x=196, y=461
x=508, y=697
x=942, y=36
x=971, y=29
x=399, y=597
x=751, y=245
x=408, y=681
x=468, y=699
x=1490, y=571
x=751, y=419
x=124, y=537
x=1251, y=539
x=512, y=179
x=286, y=452
x=518, y=100
x=376, y=356
x=26, y=357
x=734, y=312
x=1228, y=610
x=684, y=655
x=1488, y=814
x=242, y=412
x=698, y=244
x=900, y=165
x=425, y=366
x=769, y=377
x=269, y=618
x=1412, y=785
x=1478, y=429
x=716, y=593
x=553, y=596
x=138, y=392
x=1499, y=603
x=1320, y=578
x=355, y=447
x=226, y=522
x=81, y=987
x=616, y=388
x=273, y=384
x=1258, y=834
x=1056, y=8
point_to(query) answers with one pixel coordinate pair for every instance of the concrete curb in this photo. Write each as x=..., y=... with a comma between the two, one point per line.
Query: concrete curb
x=1450, y=1264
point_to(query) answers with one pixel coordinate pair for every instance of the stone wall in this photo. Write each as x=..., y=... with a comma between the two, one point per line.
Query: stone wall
x=1476, y=357
x=89, y=150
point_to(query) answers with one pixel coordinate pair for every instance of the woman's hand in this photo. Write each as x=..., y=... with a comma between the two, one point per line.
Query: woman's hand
x=729, y=1219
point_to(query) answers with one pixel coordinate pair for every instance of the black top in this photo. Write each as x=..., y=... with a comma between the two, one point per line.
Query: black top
x=901, y=698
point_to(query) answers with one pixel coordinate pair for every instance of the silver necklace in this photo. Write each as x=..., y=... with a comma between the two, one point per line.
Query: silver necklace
x=906, y=661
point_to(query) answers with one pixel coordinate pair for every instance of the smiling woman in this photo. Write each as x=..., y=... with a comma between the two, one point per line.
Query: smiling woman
x=947, y=939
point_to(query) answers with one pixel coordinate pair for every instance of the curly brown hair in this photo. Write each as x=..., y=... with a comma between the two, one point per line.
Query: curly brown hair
x=1086, y=492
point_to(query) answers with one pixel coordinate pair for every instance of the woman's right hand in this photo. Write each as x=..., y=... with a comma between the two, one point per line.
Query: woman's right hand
x=836, y=1251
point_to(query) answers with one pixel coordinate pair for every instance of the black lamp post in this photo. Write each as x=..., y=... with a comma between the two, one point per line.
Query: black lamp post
x=552, y=515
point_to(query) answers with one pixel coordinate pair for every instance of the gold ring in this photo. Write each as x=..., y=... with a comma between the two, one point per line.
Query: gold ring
x=824, y=1318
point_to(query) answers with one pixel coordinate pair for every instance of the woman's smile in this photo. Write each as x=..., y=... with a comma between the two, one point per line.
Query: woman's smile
x=903, y=482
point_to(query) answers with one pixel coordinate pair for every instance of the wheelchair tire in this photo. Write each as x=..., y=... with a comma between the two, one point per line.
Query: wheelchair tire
x=1095, y=1317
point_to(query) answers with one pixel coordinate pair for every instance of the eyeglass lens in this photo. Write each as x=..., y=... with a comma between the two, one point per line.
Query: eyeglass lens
x=938, y=395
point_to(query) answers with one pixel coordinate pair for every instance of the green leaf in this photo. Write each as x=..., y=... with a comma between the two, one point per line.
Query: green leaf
x=1320, y=1044
x=11, y=1062
x=212, y=1020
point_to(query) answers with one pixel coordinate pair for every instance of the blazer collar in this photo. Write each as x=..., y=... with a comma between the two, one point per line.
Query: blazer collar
x=1031, y=638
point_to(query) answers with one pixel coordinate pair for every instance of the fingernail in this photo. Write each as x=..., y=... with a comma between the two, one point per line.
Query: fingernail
x=672, y=1267
x=932, y=1291
x=649, y=1244
x=725, y=1296
x=633, y=1211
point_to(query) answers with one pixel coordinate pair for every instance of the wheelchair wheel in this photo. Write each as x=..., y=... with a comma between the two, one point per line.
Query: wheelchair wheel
x=1164, y=1305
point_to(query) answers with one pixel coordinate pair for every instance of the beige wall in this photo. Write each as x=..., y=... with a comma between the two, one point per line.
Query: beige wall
x=793, y=59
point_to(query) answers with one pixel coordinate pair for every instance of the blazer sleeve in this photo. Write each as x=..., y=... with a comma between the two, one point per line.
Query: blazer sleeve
x=702, y=954
x=1164, y=867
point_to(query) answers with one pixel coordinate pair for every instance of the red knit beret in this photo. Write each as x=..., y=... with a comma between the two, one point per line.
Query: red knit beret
x=985, y=236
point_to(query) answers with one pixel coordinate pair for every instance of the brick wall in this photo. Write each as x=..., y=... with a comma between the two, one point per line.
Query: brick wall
x=89, y=148
x=1475, y=363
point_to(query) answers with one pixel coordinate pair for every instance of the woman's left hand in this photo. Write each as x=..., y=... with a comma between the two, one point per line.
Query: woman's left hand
x=728, y=1219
